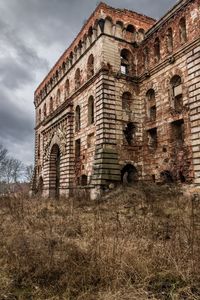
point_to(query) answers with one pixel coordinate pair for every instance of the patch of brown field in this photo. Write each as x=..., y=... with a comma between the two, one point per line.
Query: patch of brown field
x=136, y=243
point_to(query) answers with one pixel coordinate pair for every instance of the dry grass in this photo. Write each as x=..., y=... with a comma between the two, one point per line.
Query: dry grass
x=134, y=244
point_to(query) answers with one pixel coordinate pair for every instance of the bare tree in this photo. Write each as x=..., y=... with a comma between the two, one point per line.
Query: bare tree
x=3, y=155
x=28, y=173
x=12, y=170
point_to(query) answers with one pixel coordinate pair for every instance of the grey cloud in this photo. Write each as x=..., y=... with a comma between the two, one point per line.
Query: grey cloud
x=34, y=33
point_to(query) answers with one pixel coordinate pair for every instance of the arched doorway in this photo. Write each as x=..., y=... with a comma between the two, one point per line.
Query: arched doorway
x=54, y=175
x=129, y=174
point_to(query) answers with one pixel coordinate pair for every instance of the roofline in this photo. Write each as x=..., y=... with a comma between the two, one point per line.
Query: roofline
x=167, y=16
x=100, y=5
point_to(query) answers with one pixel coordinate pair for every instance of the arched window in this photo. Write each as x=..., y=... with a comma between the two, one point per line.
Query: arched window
x=126, y=62
x=126, y=101
x=90, y=110
x=177, y=93
x=77, y=78
x=151, y=104
x=169, y=40
x=146, y=58
x=78, y=118
x=90, y=66
x=108, y=25
x=58, y=97
x=182, y=30
x=51, y=105
x=67, y=88
x=129, y=174
x=141, y=33
x=130, y=28
x=38, y=146
x=45, y=110
x=84, y=180
x=157, y=49
x=39, y=116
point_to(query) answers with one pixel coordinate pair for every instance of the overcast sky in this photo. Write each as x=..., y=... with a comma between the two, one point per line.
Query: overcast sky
x=34, y=33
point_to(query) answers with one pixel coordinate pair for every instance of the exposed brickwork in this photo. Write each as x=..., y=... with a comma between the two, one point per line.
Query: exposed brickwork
x=122, y=103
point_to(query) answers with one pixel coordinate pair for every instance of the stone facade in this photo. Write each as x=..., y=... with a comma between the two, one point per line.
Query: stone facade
x=122, y=104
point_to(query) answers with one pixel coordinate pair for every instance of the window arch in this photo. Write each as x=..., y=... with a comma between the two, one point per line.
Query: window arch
x=169, y=40
x=67, y=88
x=151, y=104
x=58, y=97
x=39, y=116
x=141, y=33
x=182, y=30
x=130, y=28
x=77, y=78
x=177, y=92
x=77, y=118
x=51, y=105
x=90, y=66
x=146, y=57
x=90, y=110
x=126, y=62
x=157, y=49
x=45, y=110
x=126, y=100
x=38, y=146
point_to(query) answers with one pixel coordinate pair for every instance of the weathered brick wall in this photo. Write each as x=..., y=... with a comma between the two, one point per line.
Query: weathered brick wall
x=123, y=137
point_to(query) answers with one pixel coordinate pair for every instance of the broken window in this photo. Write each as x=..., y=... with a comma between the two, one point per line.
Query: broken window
x=126, y=101
x=129, y=174
x=157, y=49
x=51, y=105
x=129, y=133
x=152, y=138
x=130, y=28
x=77, y=78
x=178, y=132
x=90, y=110
x=169, y=40
x=77, y=149
x=177, y=96
x=151, y=104
x=182, y=30
x=126, y=62
x=90, y=66
x=84, y=180
x=78, y=118
x=166, y=177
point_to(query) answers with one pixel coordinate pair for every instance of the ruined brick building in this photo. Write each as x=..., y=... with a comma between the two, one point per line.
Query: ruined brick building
x=122, y=103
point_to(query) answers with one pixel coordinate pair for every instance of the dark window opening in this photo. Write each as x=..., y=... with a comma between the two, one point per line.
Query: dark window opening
x=78, y=118
x=77, y=149
x=129, y=174
x=152, y=112
x=51, y=105
x=129, y=133
x=152, y=138
x=126, y=62
x=154, y=178
x=166, y=177
x=178, y=132
x=182, y=177
x=126, y=100
x=84, y=180
x=45, y=110
x=130, y=28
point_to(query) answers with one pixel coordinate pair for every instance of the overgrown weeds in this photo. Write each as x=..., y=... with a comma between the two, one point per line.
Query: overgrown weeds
x=135, y=243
